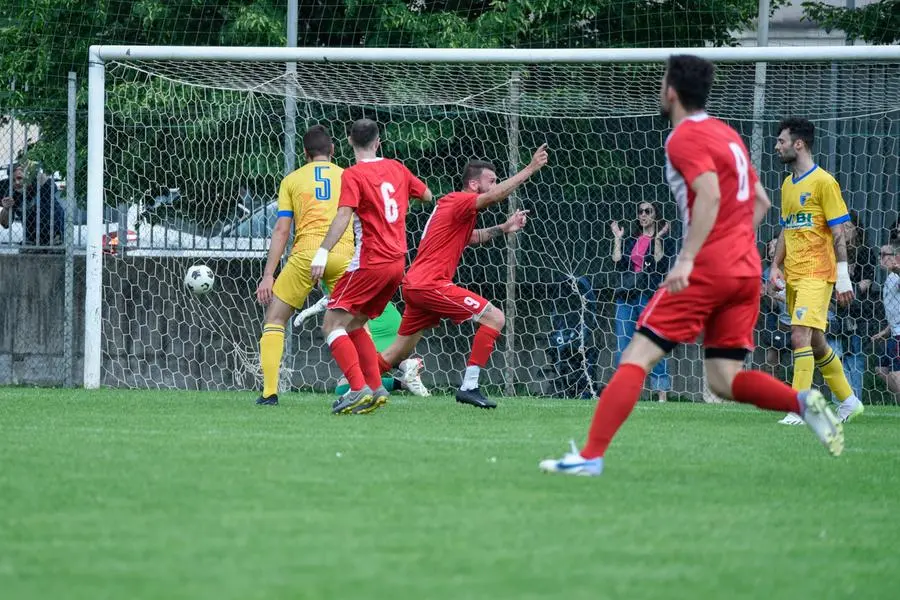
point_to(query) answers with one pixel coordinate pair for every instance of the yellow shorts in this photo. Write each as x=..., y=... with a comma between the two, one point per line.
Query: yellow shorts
x=294, y=284
x=807, y=302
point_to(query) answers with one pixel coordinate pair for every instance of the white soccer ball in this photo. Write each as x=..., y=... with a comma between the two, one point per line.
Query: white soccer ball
x=199, y=279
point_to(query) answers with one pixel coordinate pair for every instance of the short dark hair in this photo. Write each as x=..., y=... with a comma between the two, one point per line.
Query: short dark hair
x=691, y=77
x=363, y=133
x=317, y=141
x=798, y=128
x=474, y=169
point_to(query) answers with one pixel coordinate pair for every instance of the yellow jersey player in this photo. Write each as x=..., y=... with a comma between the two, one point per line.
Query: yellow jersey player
x=308, y=199
x=812, y=252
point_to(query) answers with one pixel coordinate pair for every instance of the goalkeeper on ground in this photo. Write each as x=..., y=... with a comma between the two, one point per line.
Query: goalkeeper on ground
x=308, y=199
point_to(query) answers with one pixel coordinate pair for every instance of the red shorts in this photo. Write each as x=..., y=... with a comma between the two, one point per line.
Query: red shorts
x=366, y=291
x=724, y=309
x=425, y=308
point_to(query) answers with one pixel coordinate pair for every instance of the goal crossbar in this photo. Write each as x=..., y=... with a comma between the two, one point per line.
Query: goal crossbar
x=491, y=55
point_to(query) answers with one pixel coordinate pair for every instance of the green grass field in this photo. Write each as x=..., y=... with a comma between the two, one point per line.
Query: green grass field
x=120, y=494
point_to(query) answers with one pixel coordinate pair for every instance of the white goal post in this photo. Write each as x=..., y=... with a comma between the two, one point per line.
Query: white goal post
x=601, y=76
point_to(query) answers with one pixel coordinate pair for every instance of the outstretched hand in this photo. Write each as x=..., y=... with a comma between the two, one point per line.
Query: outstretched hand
x=617, y=230
x=516, y=222
x=540, y=158
x=663, y=230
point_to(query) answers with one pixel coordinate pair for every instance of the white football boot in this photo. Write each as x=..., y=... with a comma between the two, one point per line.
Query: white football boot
x=573, y=464
x=818, y=416
x=411, y=376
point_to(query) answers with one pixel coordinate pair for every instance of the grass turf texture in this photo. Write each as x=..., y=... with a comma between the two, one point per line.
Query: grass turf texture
x=120, y=494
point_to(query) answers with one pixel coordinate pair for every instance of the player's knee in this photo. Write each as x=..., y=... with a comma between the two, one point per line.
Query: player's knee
x=800, y=338
x=331, y=322
x=819, y=344
x=278, y=312
x=720, y=386
x=493, y=317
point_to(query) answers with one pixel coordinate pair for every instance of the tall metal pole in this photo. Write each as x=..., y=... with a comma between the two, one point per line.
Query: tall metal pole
x=759, y=87
x=290, y=101
x=93, y=299
x=69, y=319
x=290, y=136
x=12, y=156
x=515, y=92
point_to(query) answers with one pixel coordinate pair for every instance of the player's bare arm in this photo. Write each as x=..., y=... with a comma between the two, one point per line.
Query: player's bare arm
x=706, y=209
x=659, y=250
x=6, y=206
x=761, y=204
x=337, y=229
x=776, y=274
x=618, y=233
x=502, y=190
x=843, y=287
x=513, y=224
x=882, y=334
x=427, y=197
x=279, y=241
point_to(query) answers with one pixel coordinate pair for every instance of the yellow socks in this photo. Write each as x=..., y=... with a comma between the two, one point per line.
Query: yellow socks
x=803, y=368
x=271, y=347
x=833, y=372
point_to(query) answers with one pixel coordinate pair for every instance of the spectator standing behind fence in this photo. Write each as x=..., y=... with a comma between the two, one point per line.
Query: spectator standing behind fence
x=889, y=357
x=32, y=200
x=643, y=260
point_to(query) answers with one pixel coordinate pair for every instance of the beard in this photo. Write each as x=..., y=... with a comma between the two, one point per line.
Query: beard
x=788, y=159
x=665, y=112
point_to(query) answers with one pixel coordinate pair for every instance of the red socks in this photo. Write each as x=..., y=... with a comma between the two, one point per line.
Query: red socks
x=384, y=365
x=347, y=358
x=482, y=346
x=622, y=393
x=755, y=387
x=615, y=404
x=368, y=356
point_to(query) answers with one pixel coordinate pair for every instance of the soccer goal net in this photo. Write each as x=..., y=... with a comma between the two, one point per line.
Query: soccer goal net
x=191, y=143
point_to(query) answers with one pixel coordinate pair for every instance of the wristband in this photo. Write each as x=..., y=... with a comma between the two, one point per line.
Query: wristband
x=843, y=283
x=320, y=259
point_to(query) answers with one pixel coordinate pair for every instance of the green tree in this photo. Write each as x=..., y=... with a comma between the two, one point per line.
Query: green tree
x=42, y=40
x=876, y=23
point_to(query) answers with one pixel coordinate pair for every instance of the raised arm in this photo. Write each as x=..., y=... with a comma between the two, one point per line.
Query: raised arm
x=502, y=190
x=513, y=224
x=659, y=250
x=6, y=206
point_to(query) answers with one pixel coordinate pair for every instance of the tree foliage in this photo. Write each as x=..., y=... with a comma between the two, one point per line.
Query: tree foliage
x=42, y=40
x=876, y=23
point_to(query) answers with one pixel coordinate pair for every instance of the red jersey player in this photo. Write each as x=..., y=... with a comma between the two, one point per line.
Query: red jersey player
x=428, y=289
x=714, y=285
x=377, y=190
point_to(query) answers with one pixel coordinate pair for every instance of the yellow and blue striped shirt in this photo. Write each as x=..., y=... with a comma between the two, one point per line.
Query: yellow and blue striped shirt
x=810, y=206
x=310, y=196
